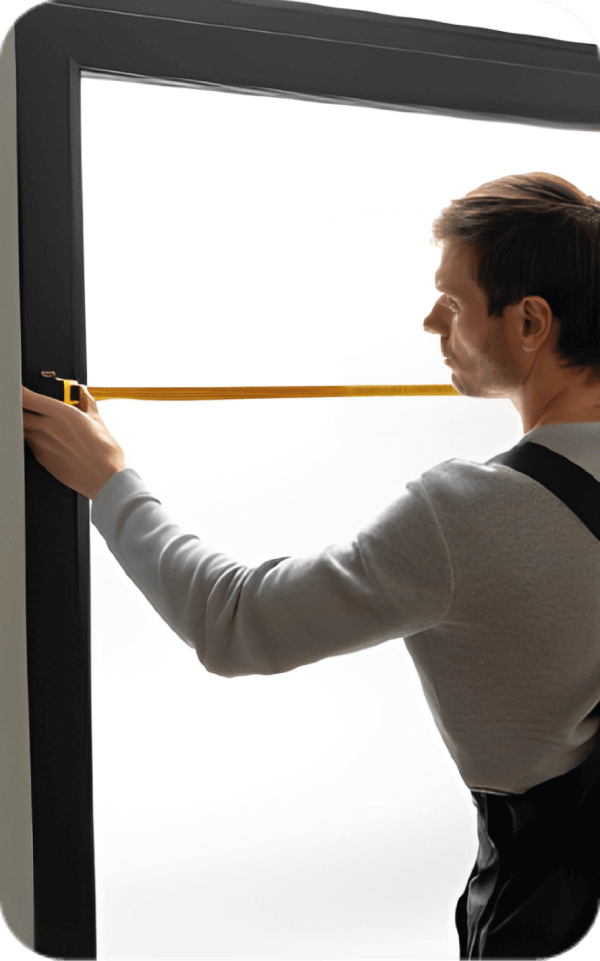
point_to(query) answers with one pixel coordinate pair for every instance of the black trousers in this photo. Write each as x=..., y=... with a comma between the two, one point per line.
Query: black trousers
x=534, y=891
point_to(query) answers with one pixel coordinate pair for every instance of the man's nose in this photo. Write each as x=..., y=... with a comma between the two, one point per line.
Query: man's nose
x=437, y=320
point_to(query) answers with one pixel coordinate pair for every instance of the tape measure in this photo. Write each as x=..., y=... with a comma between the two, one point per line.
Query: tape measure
x=70, y=391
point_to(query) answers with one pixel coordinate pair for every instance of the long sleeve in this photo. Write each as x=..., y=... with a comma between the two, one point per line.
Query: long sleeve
x=492, y=581
x=392, y=580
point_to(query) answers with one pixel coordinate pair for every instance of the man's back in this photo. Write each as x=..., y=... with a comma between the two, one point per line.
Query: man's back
x=512, y=671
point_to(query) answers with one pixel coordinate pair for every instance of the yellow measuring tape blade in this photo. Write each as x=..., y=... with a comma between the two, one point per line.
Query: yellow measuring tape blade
x=258, y=393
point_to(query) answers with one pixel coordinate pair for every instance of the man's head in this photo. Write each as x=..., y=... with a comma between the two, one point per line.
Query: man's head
x=519, y=315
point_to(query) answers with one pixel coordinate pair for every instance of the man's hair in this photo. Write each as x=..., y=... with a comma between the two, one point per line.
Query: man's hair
x=536, y=234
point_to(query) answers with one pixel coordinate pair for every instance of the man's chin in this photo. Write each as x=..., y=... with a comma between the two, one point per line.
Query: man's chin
x=463, y=388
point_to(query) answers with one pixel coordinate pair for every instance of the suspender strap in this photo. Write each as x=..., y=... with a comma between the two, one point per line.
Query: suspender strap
x=573, y=485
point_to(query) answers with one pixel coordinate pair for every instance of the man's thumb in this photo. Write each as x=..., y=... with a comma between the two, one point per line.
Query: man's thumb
x=87, y=401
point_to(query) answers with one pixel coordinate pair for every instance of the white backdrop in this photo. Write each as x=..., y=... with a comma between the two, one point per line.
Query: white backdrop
x=245, y=240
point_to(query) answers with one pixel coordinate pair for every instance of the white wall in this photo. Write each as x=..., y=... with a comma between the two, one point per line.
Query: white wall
x=255, y=240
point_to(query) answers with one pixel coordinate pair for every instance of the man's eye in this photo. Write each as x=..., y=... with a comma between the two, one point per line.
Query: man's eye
x=451, y=303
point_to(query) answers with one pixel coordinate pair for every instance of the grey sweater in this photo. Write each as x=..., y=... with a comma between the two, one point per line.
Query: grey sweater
x=493, y=583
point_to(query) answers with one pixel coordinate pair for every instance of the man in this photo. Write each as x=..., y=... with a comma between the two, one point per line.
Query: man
x=490, y=578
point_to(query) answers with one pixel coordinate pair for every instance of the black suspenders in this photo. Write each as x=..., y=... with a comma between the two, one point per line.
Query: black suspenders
x=573, y=485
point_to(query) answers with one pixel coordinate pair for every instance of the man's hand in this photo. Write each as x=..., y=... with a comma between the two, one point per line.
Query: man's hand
x=71, y=442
